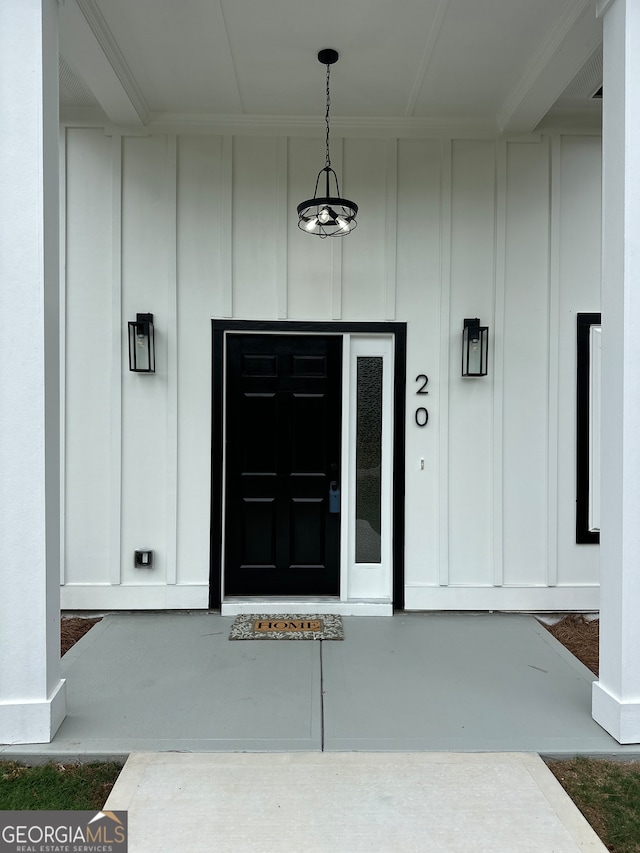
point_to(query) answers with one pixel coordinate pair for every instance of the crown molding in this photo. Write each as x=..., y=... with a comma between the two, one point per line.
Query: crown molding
x=427, y=55
x=535, y=92
x=100, y=29
x=602, y=6
x=287, y=126
x=309, y=126
x=573, y=117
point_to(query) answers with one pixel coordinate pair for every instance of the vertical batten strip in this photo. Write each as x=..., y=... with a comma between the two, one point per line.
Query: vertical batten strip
x=498, y=362
x=336, y=279
x=336, y=243
x=62, y=295
x=391, y=229
x=555, y=155
x=115, y=526
x=226, y=232
x=282, y=235
x=171, y=343
x=443, y=377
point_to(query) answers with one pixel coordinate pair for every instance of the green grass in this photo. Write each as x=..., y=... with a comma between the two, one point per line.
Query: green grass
x=56, y=786
x=608, y=795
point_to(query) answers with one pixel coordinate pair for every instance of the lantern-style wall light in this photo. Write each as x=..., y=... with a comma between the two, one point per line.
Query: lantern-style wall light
x=475, y=348
x=142, y=344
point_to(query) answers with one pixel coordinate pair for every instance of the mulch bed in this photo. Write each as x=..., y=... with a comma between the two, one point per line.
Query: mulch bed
x=72, y=629
x=580, y=636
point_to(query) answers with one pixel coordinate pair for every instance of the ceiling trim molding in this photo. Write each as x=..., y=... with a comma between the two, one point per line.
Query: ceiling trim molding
x=427, y=55
x=103, y=35
x=564, y=124
x=537, y=89
x=541, y=58
x=79, y=46
x=400, y=127
x=231, y=57
x=575, y=117
x=301, y=126
x=602, y=6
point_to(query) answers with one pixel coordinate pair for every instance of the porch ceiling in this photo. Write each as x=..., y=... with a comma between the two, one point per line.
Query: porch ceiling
x=496, y=64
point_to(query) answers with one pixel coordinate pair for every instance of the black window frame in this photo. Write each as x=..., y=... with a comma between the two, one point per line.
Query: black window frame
x=585, y=321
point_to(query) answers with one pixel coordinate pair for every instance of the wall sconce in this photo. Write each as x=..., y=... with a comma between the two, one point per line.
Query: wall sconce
x=142, y=344
x=475, y=348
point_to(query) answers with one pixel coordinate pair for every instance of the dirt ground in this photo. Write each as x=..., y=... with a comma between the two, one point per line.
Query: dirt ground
x=581, y=636
x=72, y=629
x=576, y=632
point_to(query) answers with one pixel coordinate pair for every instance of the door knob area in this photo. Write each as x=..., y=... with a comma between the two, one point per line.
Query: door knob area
x=334, y=496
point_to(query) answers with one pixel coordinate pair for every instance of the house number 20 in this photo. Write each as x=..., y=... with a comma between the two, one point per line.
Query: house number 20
x=422, y=415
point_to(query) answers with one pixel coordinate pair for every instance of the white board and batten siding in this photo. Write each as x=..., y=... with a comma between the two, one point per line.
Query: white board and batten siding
x=194, y=227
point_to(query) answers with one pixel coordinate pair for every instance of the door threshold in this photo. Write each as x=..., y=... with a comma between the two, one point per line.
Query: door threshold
x=290, y=605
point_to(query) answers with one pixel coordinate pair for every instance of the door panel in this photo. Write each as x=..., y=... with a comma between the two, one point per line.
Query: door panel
x=259, y=413
x=258, y=528
x=283, y=428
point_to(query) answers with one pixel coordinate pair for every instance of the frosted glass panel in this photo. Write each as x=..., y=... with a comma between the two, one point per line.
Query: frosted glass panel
x=368, y=458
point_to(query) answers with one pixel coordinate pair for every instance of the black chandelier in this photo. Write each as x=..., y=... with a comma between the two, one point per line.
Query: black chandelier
x=327, y=215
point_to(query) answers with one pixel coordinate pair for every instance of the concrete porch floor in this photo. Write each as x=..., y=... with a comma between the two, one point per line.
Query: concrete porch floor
x=161, y=682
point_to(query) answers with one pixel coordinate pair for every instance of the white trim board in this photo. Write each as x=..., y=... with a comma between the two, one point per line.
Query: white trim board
x=134, y=597
x=195, y=597
x=521, y=598
x=366, y=581
x=304, y=606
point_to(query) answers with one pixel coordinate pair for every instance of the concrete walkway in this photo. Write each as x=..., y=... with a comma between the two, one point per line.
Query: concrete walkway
x=316, y=802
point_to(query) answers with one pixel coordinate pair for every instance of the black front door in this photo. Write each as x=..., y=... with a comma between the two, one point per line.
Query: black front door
x=283, y=428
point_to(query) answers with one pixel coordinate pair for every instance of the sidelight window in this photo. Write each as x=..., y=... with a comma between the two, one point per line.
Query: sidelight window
x=368, y=459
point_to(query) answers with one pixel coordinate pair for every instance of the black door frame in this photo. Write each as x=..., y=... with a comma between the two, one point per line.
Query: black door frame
x=219, y=328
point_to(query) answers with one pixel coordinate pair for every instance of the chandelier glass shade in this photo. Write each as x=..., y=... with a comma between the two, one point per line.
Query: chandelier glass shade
x=327, y=215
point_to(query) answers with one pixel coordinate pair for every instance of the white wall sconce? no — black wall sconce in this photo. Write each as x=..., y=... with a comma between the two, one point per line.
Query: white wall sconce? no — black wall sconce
x=142, y=344
x=475, y=348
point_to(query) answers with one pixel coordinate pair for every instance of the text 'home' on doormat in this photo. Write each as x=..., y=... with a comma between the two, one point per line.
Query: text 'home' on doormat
x=262, y=626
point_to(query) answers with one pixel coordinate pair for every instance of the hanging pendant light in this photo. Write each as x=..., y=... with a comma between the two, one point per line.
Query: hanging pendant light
x=328, y=215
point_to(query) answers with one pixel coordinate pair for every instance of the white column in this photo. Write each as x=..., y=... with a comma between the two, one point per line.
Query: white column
x=616, y=696
x=32, y=695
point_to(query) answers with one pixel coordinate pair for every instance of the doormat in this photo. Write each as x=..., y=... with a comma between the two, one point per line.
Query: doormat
x=251, y=626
